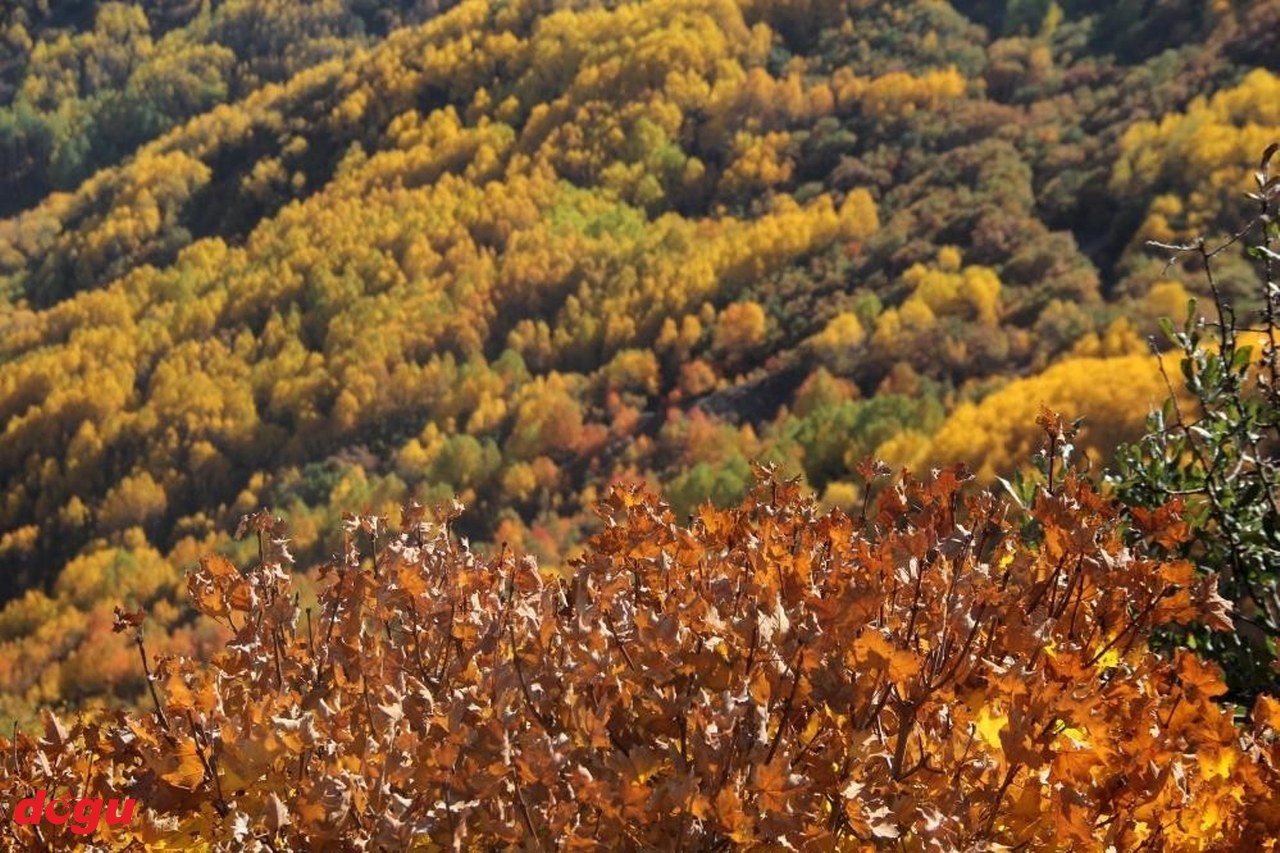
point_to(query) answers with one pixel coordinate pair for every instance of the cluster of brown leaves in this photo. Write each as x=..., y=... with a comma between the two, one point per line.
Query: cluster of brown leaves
x=932, y=675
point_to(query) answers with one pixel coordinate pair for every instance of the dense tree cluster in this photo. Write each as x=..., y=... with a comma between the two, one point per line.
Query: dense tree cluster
x=84, y=84
x=334, y=255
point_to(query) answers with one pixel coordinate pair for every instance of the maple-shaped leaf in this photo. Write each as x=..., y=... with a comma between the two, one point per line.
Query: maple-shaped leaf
x=870, y=468
x=989, y=725
x=1216, y=761
x=773, y=785
x=183, y=767
x=1164, y=524
x=211, y=587
x=1054, y=424
x=178, y=697
x=218, y=567
x=1197, y=677
x=1214, y=609
x=56, y=732
x=728, y=808
x=873, y=651
x=126, y=619
x=1266, y=712
x=869, y=819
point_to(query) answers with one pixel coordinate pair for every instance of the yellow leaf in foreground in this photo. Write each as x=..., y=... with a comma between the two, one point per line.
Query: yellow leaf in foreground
x=989, y=726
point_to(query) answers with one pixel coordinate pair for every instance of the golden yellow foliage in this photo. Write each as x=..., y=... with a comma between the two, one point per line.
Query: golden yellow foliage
x=1198, y=153
x=972, y=293
x=836, y=345
x=859, y=218
x=998, y=433
x=740, y=329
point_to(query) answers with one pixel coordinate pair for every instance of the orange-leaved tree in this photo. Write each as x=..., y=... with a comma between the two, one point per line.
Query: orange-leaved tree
x=932, y=671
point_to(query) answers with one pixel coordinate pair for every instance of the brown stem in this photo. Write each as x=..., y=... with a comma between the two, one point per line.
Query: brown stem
x=524, y=687
x=151, y=687
x=906, y=722
x=524, y=809
x=608, y=621
x=197, y=735
x=786, y=707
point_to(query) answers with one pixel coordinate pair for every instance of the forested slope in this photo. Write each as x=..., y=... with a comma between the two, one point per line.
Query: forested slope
x=328, y=256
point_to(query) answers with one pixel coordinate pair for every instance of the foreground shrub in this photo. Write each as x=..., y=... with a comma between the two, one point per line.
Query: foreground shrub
x=1219, y=453
x=930, y=674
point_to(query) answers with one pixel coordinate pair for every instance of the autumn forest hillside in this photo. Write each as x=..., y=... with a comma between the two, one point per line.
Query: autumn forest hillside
x=330, y=256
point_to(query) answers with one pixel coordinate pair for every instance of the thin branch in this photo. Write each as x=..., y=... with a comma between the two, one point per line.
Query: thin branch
x=151, y=686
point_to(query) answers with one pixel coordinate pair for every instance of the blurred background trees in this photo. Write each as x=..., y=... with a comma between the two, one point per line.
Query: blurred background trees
x=333, y=255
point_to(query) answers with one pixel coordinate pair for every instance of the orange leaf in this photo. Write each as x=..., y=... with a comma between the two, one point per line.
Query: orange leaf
x=189, y=770
x=1266, y=712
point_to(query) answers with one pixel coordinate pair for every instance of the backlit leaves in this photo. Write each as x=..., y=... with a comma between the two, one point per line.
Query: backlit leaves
x=767, y=674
